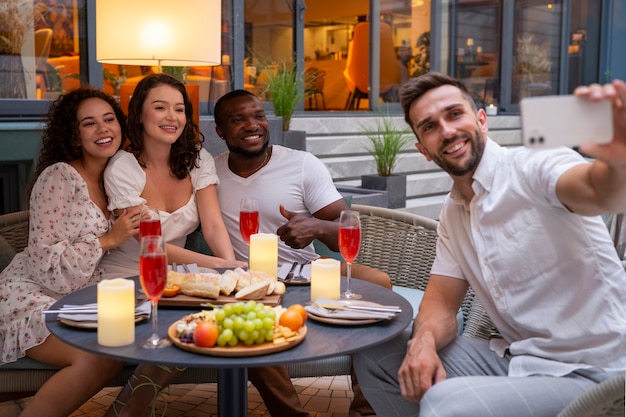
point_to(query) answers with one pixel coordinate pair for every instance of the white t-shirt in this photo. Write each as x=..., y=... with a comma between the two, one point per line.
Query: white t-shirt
x=124, y=181
x=295, y=179
x=549, y=279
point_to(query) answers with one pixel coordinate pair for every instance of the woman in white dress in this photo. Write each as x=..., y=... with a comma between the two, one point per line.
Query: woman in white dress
x=70, y=229
x=164, y=166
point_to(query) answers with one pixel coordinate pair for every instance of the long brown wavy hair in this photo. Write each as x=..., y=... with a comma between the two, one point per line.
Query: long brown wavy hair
x=60, y=140
x=185, y=151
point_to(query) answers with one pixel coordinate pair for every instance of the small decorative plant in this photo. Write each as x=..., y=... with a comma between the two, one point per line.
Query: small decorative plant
x=180, y=73
x=386, y=143
x=421, y=60
x=531, y=58
x=285, y=90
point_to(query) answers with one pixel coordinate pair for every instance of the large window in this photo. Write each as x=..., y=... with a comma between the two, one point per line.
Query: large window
x=505, y=51
x=337, y=47
x=502, y=50
x=39, y=48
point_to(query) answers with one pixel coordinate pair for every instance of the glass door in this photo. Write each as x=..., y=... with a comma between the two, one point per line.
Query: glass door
x=536, y=49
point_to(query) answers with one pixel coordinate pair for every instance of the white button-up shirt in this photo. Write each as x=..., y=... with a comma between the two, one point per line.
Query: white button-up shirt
x=549, y=279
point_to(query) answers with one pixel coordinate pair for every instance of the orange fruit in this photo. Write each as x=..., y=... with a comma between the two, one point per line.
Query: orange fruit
x=205, y=334
x=171, y=291
x=291, y=319
x=300, y=309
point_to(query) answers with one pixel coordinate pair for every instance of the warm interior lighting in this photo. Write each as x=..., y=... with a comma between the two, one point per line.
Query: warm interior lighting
x=158, y=32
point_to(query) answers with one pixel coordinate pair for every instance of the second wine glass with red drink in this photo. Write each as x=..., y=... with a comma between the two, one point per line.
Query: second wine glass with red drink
x=349, y=245
x=153, y=276
x=248, y=218
x=150, y=222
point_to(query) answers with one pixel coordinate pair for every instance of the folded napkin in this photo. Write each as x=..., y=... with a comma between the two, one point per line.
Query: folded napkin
x=284, y=269
x=142, y=310
x=356, y=305
x=347, y=314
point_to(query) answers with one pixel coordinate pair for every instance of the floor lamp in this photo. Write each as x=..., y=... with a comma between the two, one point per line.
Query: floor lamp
x=159, y=33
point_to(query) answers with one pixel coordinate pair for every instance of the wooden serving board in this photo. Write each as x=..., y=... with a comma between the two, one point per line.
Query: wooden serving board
x=181, y=300
x=239, y=350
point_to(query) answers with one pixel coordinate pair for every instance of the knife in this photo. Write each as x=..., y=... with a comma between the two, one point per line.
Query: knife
x=384, y=309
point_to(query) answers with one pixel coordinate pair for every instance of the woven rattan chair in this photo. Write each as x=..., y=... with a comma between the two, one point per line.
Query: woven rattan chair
x=14, y=235
x=398, y=243
x=402, y=245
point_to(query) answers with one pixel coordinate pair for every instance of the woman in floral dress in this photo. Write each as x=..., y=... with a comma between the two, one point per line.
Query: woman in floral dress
x=70, y=229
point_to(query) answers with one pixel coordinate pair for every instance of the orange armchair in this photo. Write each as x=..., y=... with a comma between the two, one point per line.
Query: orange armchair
x=357, y=71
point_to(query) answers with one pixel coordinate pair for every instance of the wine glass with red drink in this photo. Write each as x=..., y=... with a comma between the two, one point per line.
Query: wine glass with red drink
x=153, y=276
x=150, y=222
x=248, y=218
x=349, y=245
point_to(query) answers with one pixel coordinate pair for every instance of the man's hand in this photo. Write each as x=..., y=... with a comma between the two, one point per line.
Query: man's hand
x=299, y=231
x=613, y=153
x=421, y=367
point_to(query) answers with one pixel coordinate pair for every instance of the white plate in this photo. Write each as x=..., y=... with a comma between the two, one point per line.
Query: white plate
x=94, y=324
x=342, y=322
x=322, y=316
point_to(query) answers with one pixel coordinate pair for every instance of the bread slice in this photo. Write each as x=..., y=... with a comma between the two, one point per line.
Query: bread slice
x=259, y=276
x=205, y=285
x=279, y=288
x=244, y=279
x=254, y=291
x=228, y=281
x=175, y=278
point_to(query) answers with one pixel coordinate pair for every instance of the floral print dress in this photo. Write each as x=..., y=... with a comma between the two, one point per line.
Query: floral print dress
x=61, y=257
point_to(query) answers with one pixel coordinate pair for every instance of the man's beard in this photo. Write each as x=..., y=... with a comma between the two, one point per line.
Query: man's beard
x=478, y=148
x=248, y=154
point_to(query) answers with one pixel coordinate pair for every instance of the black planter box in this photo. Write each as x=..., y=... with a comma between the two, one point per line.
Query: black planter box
x=395, y=185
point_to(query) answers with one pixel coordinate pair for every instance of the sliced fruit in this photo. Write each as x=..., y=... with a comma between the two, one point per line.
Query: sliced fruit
x=171, y=291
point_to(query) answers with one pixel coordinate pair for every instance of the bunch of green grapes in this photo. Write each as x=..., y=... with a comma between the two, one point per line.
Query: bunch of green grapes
x=246, y=322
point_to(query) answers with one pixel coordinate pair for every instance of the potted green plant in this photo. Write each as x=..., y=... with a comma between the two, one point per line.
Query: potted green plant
x=386, y=142
x=531, y=67
x=285, y=90
x=421, y=60
x=15, y=22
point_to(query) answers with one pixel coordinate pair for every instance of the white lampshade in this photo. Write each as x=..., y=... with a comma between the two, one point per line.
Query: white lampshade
x=158, y=32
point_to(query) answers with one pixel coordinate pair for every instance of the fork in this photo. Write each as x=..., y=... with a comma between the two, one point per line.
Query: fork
x=299, y=275
x=289, y=276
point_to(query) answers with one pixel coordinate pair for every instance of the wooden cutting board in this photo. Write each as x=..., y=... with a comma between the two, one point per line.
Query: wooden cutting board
x=239, y=350
x=181, y=300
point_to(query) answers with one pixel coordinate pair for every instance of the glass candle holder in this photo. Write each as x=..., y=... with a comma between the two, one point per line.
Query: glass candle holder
x=116, y=312
x=264, y=253
x=325, y=279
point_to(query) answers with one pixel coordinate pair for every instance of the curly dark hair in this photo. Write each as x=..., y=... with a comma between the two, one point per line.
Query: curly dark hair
x=186, y=150
x=60, y=140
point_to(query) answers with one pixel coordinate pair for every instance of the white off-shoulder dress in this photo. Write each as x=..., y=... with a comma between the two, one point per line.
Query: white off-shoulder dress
x=124, y=181
x=61, y=257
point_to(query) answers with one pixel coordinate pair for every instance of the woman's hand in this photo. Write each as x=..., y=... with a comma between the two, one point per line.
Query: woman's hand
x=124, y=227
x=215, y=262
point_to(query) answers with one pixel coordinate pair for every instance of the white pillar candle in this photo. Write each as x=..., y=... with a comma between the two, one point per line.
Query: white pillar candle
x=264, y=253
x=116, y=312
x=491, y=110
x=325, y=279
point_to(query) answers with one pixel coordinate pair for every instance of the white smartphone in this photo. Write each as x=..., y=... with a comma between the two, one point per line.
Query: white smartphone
x=565, y=120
